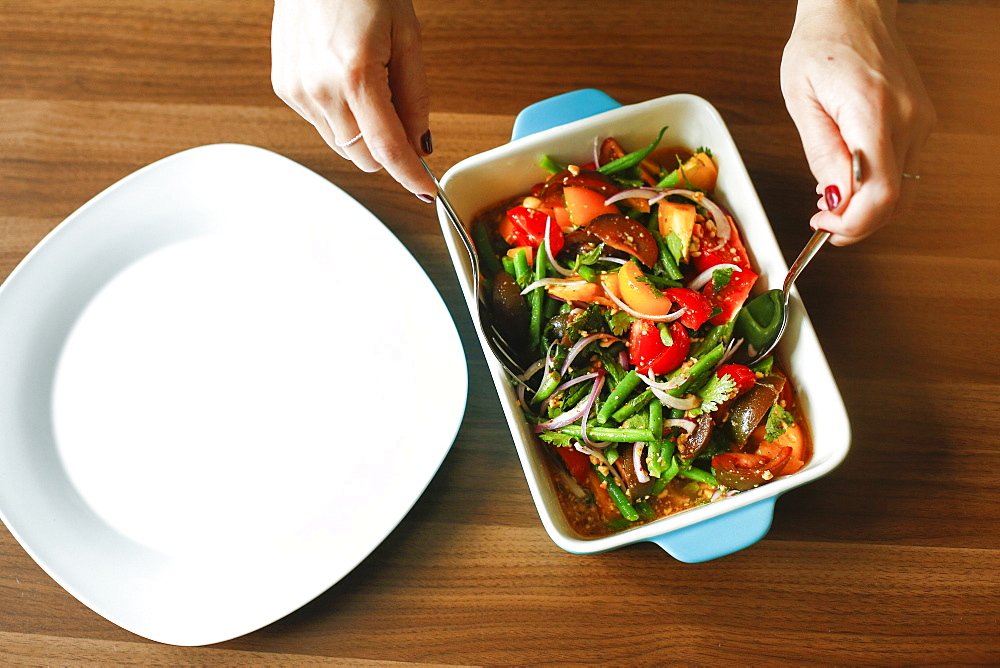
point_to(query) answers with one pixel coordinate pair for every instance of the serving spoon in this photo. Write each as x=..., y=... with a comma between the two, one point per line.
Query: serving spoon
x=763, y=320
x=505, y=353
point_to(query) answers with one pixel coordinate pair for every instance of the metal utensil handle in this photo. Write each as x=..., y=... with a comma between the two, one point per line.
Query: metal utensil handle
x=816, y=242
x=456, y=223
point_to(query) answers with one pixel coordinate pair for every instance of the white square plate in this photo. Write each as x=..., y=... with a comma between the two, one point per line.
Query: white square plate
x=565, y=127
x=206, y=405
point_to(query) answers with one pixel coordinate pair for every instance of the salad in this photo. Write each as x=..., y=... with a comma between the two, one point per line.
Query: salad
x=622, y=283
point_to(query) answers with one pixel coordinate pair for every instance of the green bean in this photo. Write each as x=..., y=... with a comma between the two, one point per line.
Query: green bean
x=656, y=419
x=536, y=300
x=698, y=476
x=633, y=406
x=549, y=164
x=508, y=265
x=667, y=258
x=718, y=334
x=484, y=247
x=697, y=370
x=631, y=159
x=670, y=180
x=644, y=509
x=618, y=496
x=618, y=395
x=613, y=434
x=522, y=272
x=548, y=385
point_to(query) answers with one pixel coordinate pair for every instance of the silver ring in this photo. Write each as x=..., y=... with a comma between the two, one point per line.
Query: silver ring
x=910, y=176
x=349, y=142
x=856, y=165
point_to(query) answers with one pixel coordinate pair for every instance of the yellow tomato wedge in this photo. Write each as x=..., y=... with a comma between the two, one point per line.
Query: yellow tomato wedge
x=679, y=219
x=700, y=172
x=639, y=294
x=793, y=437
x=595, y=293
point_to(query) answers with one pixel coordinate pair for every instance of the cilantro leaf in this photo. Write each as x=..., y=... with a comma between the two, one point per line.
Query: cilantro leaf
x=777, y=423
x=721, y=278
x=714, y=392
x=557, y=439
x=619, y=321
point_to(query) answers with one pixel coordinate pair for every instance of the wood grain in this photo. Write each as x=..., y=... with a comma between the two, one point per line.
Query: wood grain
x=891, y=559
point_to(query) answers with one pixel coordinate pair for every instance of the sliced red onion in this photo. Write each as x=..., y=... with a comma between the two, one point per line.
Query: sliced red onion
x=615, y=260
x=597, y=152
x=685, y=403
x=702, y=279
x=591, y=452
x=572, y=484
x=722, y=226
x=640, y=472
x=591, y=399
x=623, y=360
x=687, y=424
x=644, y=193
x=548, y=251
x=565, y=386
x=529, y=372
x=645, y=316
x=666, y=385
x=552, y=281
x=580, y=345
x=569, y=417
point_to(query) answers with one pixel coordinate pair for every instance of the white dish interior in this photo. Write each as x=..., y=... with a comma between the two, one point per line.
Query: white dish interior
x=195, y=432
x=492, y=176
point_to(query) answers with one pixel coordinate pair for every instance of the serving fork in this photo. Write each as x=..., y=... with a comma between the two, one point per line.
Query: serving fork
x=505, y=353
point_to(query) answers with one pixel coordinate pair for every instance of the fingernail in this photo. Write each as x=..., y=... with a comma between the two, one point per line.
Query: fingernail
x=426, y=143
x=832, y=195
x=425, y=198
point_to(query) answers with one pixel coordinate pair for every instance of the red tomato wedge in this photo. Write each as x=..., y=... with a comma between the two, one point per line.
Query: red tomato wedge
x=647, y=352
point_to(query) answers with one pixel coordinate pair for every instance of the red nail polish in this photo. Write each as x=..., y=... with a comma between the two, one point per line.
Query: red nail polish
x=832, y=196
x=425, y=198
x=426, y=143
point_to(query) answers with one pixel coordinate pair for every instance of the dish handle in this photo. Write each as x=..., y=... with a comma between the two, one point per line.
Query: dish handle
x=708, y=539
x=719, y=536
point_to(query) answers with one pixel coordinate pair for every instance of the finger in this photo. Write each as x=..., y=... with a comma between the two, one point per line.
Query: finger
x=385, y=136
x=408, y=83
x=828, y=155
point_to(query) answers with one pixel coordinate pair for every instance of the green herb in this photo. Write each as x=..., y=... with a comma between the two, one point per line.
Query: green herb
x=587, y=258
x=652, y=286
x=619, y=322
x=721, y=278
x=714, y=392
x=557, y=439
x=675, y=246
x=777, y=423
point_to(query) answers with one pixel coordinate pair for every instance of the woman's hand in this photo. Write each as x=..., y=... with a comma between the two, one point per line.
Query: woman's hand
x=850, y=85
x=355, y=68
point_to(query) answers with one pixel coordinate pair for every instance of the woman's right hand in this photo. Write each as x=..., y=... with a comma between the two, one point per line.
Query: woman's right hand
x=354, y=67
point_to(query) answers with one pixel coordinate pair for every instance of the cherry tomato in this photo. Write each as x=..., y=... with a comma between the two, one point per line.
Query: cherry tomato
x=743, y=471
x=647, y=352
x=577, y=463
x=741, y=375
x=698, y=308
x=532, y=222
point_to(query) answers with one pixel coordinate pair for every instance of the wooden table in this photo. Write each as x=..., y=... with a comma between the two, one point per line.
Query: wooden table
x=893, y=558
